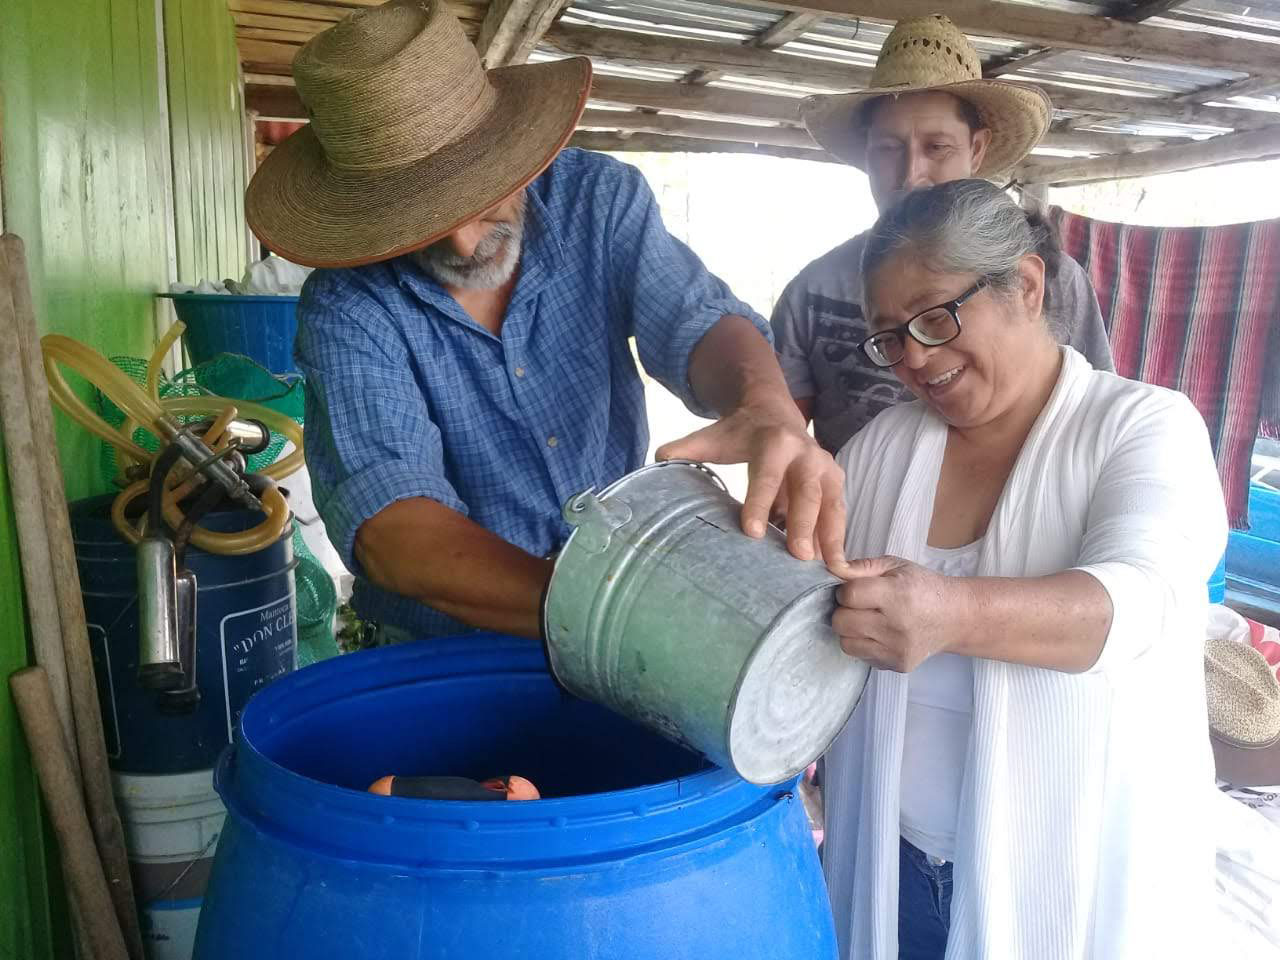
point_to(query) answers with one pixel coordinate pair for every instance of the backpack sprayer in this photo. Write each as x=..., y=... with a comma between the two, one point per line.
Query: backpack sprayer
x=200, y=465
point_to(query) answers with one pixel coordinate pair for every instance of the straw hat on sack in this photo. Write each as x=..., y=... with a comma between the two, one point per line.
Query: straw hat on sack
x=410, y=137
x=1244, y=713
x=930, y=53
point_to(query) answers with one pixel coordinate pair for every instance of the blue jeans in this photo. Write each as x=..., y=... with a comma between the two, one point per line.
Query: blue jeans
x=924, y=905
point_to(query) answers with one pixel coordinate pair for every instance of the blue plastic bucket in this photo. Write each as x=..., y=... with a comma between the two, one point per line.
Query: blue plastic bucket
x=261, y=328
x=641, y=850
x=246, y=636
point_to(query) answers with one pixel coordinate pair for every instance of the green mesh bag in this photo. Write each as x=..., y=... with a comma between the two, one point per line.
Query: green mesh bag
x=226, y=375
x=239, y=378
x=317, y=602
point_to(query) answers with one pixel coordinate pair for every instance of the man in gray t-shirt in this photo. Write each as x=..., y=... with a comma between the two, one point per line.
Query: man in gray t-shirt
x=929, y=117
x=818, y=325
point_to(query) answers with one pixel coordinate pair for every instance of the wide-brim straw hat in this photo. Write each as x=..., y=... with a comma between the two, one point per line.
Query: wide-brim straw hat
x=410, y=137
x=1244, y=713
x=931, y=54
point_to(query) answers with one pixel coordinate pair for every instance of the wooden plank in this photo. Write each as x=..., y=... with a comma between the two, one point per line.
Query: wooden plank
x=791, y=27
x=1011, y=64
x=292, y=9
x=316, y=16
x=700, y=129
x=1104, y=143
x=268, y=79
x=1248, y=87
x=266, y=51
x=1039, y=26
x=656, y=143
x=1156, y=109
x=276, y=36
x=1228, y=148
x=292, y=24
x=682, y=97
x=513, y=28
x=624, y=46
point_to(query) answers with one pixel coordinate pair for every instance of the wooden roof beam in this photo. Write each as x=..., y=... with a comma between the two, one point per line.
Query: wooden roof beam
x=1229, y=148
x=666, y=124
x=709, y=56
x=1247, y=87
x=513, y=28
x=658, y=143
x=1038, y=27
x=790, y=26
x=1156, y=109
x=694, y=99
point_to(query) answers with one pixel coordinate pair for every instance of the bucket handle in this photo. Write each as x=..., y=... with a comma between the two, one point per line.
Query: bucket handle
x=223, y=771
x=595, y=520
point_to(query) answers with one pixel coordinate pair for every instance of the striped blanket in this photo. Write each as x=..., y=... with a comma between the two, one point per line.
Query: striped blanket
x=1196, y=309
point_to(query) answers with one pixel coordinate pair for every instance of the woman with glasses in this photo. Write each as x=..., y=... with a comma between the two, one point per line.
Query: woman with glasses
x=1027, y=773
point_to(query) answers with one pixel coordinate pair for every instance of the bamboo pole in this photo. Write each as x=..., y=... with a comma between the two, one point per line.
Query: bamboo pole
x=91, y=900
x=86, y=711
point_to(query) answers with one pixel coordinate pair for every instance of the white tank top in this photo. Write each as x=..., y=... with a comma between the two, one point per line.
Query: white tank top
x=939, y=718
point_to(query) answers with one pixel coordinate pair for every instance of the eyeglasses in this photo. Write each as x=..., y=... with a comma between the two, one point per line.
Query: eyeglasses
x=932, y=328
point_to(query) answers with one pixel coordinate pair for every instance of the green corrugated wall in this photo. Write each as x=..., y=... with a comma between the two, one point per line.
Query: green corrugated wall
x=117, y=189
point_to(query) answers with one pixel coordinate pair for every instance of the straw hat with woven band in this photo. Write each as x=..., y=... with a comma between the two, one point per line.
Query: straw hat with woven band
x=1244, y=713
x=410, y=137
x=930, y=53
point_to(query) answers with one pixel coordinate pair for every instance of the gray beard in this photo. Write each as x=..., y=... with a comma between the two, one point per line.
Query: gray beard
x=491, y=265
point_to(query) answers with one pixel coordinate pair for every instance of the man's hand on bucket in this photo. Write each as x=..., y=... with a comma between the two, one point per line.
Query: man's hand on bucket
x=787, y=472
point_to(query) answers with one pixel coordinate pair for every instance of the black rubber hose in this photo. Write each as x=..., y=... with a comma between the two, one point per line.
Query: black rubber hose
x=155, y=492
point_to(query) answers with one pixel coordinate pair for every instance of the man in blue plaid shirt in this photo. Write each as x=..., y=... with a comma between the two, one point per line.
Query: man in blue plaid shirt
x=468, y=350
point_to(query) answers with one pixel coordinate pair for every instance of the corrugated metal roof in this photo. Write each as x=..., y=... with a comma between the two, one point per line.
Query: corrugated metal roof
x=835, y=41
x=857, y=43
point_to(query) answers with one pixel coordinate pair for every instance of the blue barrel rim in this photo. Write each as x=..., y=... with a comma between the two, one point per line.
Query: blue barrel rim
x=590, y=828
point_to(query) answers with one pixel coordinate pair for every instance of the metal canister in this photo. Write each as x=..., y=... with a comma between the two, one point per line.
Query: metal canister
x=661, y=608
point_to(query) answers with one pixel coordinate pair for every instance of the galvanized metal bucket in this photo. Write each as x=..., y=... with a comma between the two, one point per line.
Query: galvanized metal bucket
x=661, y=608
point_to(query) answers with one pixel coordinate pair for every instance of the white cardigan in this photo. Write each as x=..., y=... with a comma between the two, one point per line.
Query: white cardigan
x=1081, y=828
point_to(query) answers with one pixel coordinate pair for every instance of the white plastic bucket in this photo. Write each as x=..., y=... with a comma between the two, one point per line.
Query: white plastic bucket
x=171, y=827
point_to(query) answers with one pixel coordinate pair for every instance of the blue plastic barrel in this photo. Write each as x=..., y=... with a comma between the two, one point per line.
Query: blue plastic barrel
x=261, y=328
x=246, y=637
x=1218, y=582
x=639, y=851
x=1253, y=558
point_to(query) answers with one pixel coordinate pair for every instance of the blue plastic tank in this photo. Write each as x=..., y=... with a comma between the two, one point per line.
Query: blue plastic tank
x=639, y=850
x=246, y=636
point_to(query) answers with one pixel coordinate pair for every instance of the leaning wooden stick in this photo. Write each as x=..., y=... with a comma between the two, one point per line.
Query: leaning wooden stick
x=80, y=864
x=28, y=513
x=95, y=775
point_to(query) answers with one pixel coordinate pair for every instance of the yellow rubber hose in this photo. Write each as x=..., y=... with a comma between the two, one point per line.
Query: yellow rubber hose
x=142, y=407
